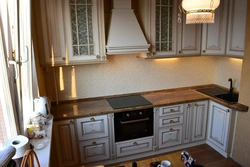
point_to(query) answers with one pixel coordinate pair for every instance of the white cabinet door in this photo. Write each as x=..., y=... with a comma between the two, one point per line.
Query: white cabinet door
x=158, y=20
x=189, y=38
x=64, y=134
x=170, y=136
x=219, y=125
x=72, y=32
x=92, y=127
x=195, y=121
x=199, y=121
x=94, y=150
x=236, y=28
x=214, y=35
x=134, y=146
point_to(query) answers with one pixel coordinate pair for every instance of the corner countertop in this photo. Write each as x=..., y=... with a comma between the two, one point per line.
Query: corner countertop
x=99, y=106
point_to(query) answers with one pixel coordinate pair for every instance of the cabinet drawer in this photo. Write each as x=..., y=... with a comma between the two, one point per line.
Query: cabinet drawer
x=170, y=136
x=170, y=120
x=94, y=150
x=133, y=147
x=92, y=127
x=169, y=110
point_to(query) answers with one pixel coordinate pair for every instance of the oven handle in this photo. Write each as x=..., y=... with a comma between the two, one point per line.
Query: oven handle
x=134, y=121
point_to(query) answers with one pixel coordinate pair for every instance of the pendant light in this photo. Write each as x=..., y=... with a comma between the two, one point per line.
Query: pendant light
x=199, y=11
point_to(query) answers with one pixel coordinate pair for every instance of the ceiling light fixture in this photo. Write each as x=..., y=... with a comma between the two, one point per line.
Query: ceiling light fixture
x=198, y=11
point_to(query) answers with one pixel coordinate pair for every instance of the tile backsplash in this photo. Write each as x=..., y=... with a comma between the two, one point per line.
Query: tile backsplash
x=127, y=74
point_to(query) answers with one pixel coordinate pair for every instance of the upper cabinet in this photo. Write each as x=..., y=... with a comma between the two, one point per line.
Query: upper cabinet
x=70, y=31
x=158, y=20
x=189, y=37
x=214, y=35
x=236, y=28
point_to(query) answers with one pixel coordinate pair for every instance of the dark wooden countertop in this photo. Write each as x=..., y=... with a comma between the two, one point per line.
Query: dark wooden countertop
x=99, y=106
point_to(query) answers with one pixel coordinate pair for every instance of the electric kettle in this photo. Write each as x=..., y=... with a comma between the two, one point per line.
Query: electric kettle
x=42, y=106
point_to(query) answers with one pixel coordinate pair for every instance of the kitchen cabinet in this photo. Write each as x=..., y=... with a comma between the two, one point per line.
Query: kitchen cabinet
x=188, y=38
x=65, y=141
x=195, y=121
x=221, y=121
x=158, y=20
x=93, y=137
x=92, y=127
x=169, y=127
x=214, y=35
x=71, y=32
x=135, y=146
x=236, y=28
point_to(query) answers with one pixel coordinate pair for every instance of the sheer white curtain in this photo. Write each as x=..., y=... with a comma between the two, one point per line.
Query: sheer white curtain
x=17, y=79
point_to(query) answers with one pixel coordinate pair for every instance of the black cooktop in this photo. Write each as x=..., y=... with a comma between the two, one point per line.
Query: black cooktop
x=128, y=101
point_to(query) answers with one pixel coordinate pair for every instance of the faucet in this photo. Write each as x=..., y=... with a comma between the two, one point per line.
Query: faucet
x=231, y=86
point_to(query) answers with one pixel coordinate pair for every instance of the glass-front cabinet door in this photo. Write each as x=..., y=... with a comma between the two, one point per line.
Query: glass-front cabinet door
x=72, y=31
x=163, y=27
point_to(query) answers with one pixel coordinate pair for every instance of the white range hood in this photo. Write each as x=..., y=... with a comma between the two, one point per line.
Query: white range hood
x=125, y=34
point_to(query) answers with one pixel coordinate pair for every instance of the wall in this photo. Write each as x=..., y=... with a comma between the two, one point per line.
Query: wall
x=242, y=137
x=226, y=68
x=128, y=74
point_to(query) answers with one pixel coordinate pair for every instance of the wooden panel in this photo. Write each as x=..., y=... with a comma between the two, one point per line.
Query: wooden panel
x=92, y=127
x=64, y=133
x=133, y=147
x=94, y=150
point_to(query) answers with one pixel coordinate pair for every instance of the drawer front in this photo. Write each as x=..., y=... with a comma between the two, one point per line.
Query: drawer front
x=170, y=136
x=170, y=120
x=92, y=127
x=133, y=147
x=170, y=110
x=94, y=150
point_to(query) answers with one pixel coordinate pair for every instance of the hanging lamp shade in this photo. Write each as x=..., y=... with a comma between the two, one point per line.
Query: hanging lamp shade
x=200, y=11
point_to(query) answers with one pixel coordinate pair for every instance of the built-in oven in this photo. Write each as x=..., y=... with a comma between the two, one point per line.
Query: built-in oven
x=133, y=124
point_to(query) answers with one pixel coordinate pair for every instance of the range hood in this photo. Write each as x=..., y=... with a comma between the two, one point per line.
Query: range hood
x=125, y=34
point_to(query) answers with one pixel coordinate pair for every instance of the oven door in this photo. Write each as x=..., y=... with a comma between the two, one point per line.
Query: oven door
x=133, y=128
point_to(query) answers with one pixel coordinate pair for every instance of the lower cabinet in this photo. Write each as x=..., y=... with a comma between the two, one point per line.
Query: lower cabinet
x=65, y=142
x=219, y=123
x=169, y=126
x=134, y=146
x=195, y=121
x=94, y=150
x=170, y=136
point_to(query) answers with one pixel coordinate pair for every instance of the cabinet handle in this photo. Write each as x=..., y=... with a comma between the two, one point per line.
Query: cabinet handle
x=98, y=57
x=172, y=110
x=71, y=122
x=228, y=110
x=94, y=143
x=171, y=129
x=154, y=53
x=63, y=58
x=135, y=143
x=204, y=51
x=92, y=119
x=180, y=52
x=189, y=105
x=171, y=121
x=196, y=104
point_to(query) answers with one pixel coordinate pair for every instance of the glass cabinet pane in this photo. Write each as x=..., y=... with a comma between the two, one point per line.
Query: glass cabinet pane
x=164, y=26
x=82, y=27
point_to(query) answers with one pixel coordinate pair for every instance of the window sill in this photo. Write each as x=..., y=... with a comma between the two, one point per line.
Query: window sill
x=44, y=153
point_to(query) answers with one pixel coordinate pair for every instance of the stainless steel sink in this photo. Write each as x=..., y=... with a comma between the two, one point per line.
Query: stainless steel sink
x=229, y=97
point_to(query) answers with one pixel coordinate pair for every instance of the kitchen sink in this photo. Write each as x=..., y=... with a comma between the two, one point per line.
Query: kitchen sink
x=220, y=93
x=229, y=97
